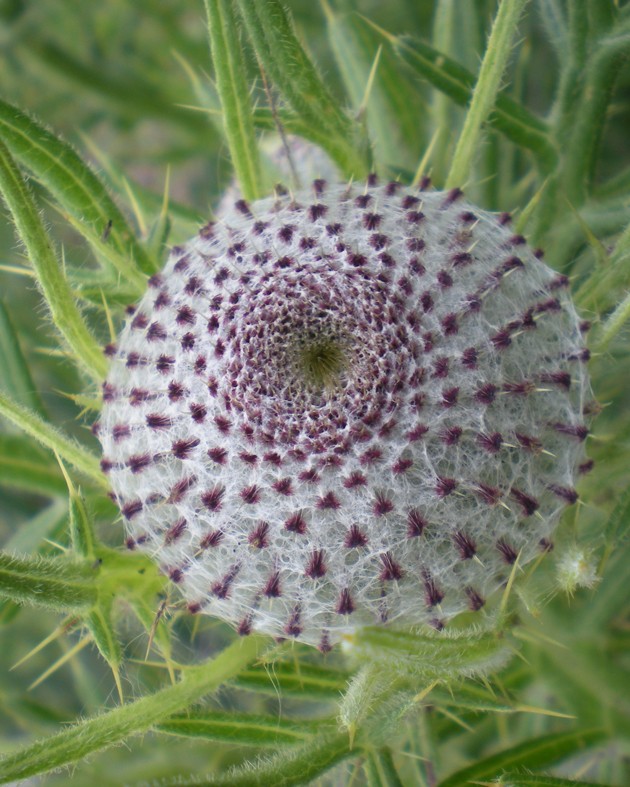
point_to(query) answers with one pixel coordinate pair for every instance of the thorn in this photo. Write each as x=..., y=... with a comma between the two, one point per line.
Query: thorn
x=508, y=587
x=58, y=546
x=108, y=317
x=454, y=718
x=115, y=672
x=370, y=82
x=421, y=695
x=543, y=712
x=381, y=31
x=71, y=488
x=63, y=628
x=139, y=215
x=61, y=661
x=424, y=161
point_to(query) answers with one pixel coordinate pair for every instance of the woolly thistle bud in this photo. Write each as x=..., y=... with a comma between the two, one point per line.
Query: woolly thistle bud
x=354, y=405
x=576, y=569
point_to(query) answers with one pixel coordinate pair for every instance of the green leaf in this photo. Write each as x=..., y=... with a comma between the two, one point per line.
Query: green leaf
x=486, y=89
x=227, y=57
x=293, y=766
x=115, y=295
x=519, y=779
x=612, y=591
x=380, y=770
x=105, y=252
x=242, y=729
x=81, y=527
x=392, y=106
x=306, y=681
x=28, y=535
x=442, y=655
x=73, y=184
x=284, y=59
x=100, y=624
x=534, y=753
x=588, y=113
x=132, y=718
x=53, y=283
x=555, y=24
x=23, y=465
x=127, y=92
x=508, y=116
x=52, y=438
x=48, y=582
x=14, y=372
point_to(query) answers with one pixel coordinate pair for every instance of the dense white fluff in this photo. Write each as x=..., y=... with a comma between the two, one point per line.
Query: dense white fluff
x=352, y=405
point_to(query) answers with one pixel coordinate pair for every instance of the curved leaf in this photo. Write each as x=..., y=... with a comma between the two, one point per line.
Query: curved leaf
x=73, y=184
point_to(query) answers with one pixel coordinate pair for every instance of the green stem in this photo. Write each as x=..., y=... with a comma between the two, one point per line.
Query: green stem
x=233, y=90
x=291, y=70
x=614, y=324
x=380, y=770
x=443, y=37
x=291, y=769
x=589, y=117
x=572, y=77
x=509, y=117
x=133, y=718
x=44, y=433
x=53, y=283
x=486, y=89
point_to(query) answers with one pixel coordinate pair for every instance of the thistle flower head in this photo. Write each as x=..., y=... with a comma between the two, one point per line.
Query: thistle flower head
x=350, y=406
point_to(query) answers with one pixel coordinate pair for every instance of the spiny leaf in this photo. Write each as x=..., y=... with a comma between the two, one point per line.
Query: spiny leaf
x=613, y=589
x=291, y=70
x=14, y=372
x=309, y=682
x=127, y=92
x=73, y=184
x=49, y=582
x=392, y=105
x=381, y=771
x=434, y=657
x=30, y=534
x=133, y=718
x=508, y=116
x=243, y=729
x=293, y=766
x=53, y=283
x=228, y=60
x=81, y=527
x=101, y=627
x=520, y=779
x=23, y=465
x=534, y=753
x=52, y=438
x=486, y=90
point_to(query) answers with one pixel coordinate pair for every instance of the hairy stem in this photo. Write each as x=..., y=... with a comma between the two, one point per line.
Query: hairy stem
x=486, y=89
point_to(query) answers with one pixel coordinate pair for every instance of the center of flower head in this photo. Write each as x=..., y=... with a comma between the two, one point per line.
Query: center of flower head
x=317, y=351
x=322, y=361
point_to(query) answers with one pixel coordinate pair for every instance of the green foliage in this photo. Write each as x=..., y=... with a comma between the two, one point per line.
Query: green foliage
x=50, y=278
x=79, y=191
x=227, y=57
x=523, y=104
x=50, y=582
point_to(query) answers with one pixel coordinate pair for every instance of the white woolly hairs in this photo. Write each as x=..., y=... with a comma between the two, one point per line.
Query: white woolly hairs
x=355, y=405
